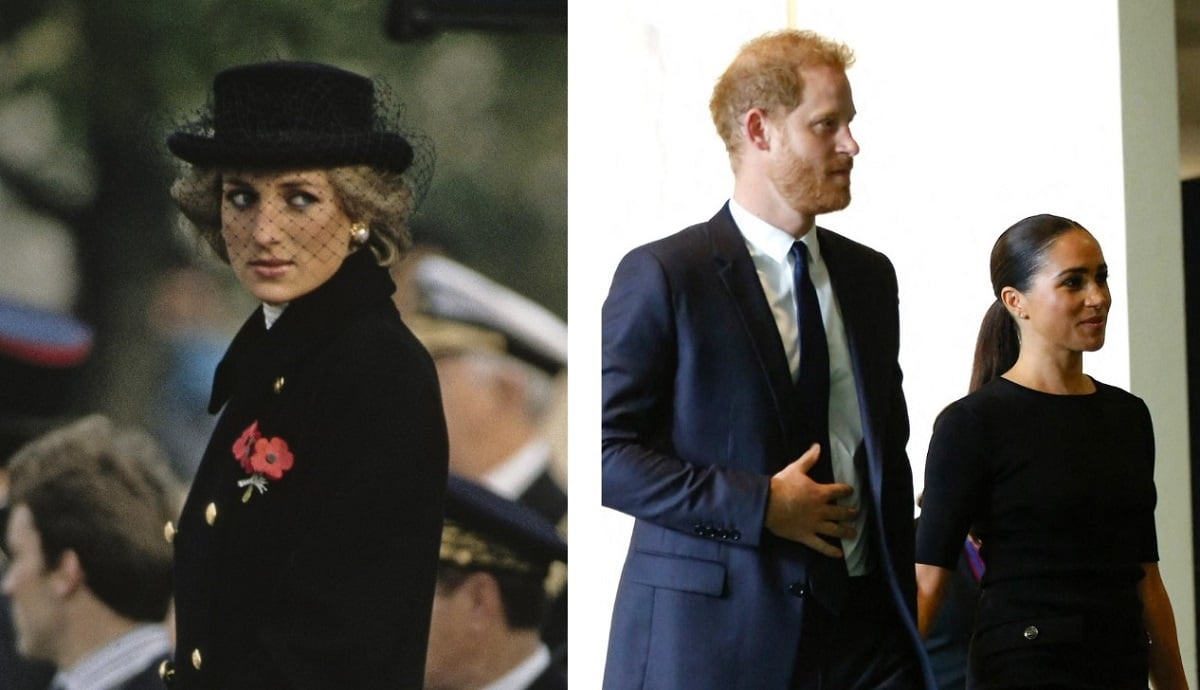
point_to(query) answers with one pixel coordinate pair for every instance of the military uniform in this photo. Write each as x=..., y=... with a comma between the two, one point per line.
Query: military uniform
x=485, y=532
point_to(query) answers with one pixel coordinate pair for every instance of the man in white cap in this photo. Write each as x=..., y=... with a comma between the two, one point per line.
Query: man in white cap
x=500, y=360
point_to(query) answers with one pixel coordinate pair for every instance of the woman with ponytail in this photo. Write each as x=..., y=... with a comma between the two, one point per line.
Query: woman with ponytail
x=1054, y=472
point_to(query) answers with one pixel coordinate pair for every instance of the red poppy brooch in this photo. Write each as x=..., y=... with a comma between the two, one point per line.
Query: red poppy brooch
x=262, y=458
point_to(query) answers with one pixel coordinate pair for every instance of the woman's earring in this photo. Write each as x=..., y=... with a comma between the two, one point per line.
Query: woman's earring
x=359, y=233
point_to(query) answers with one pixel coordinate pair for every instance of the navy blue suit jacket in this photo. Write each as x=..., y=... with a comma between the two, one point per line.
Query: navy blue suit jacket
x=699, y=411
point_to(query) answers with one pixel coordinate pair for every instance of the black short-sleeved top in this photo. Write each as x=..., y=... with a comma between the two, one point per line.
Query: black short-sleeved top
x=1060, y=490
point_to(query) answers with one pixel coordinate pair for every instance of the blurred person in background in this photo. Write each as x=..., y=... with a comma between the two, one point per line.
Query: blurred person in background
x=90, y=573
x=42, y=352
x=498, y=559
x=307, y=549
x=500, y=359
x=194, y=318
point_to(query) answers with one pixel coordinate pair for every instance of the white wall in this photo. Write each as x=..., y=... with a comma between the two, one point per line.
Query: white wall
x=970, y=117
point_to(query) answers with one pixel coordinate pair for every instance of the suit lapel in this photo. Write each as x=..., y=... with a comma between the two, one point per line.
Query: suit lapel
x=737, y=272
x=858, y=318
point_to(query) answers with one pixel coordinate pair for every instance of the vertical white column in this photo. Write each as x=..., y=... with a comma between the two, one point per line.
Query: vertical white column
x=970, y=118
x=1154, y=248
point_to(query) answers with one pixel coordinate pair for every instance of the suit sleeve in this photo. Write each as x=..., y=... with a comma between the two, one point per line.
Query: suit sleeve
x=641, y=474
x=897, y=500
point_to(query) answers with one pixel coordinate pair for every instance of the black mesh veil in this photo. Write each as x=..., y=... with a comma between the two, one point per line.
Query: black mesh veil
x=299, y=162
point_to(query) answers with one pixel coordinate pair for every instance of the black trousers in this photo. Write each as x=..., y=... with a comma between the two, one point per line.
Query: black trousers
x=865, y=647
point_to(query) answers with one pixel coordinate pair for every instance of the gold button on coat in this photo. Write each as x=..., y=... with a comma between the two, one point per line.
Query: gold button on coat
x=278, y=385
x=210, y=514
x=166, y=671
x=169, y=532
x=196, y=659
x=1031, y=633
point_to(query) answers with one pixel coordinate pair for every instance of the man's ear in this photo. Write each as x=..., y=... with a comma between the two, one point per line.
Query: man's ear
x=484, y=592
x=68, y=574
x=756, y=129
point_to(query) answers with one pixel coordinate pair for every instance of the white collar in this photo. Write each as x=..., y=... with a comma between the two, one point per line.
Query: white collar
x=272, y=312
x=769, y=240
x=520, y=470
x=118, y=660
x=523, y=674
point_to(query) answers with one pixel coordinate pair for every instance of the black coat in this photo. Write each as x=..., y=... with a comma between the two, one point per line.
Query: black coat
x=326, y=580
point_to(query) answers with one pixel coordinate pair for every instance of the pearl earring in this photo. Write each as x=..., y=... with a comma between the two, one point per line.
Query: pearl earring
x=359, y=233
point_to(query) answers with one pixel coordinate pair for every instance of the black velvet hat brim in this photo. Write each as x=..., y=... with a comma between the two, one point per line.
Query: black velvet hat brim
x=385, y=151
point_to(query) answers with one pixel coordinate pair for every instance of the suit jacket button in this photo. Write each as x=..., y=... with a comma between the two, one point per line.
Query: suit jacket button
x=196, y=659
x=1031, y=633
x=166, y=672
x=169, y=532
x=797, y=589
x=278, y=387
x=210, y=514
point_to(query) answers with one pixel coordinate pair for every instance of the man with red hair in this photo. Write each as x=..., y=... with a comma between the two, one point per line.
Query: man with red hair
x=753, y=417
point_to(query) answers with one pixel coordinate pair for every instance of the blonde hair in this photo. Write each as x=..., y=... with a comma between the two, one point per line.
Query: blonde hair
x=381, y=199
x=766, y=74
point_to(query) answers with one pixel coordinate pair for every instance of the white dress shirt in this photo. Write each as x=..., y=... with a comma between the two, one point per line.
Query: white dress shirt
x=117, y=661
x=770, y=249
x=524, y=673
x=272, y=312
x=519, y=471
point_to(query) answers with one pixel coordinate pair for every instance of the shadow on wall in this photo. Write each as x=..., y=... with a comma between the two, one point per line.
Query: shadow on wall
x=1191, y=275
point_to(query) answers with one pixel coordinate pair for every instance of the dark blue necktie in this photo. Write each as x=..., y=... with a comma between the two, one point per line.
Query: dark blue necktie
x=812, y=385
x=828, y=576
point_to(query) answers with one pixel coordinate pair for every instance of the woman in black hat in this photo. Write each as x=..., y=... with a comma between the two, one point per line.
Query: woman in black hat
x=307, y=548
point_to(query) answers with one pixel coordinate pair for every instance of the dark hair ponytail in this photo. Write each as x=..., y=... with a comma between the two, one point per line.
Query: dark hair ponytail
x=997, y=346
x=1016, y=257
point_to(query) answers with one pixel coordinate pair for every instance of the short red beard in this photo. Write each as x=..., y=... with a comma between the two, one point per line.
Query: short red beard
x=806, y=187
